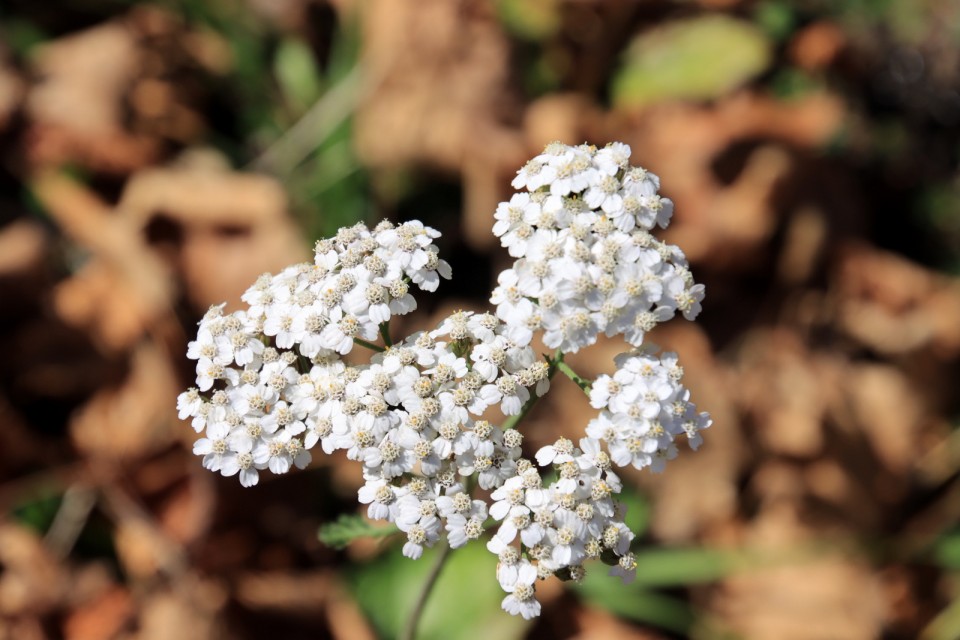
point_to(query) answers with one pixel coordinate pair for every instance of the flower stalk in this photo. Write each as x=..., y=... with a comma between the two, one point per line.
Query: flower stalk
x=419, y=605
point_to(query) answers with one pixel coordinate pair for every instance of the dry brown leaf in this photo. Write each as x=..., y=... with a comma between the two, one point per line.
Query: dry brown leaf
x=805, y=596
x=179, y=614
x=597, y=624
x=346, y=620
x=444, y=68
x=232, y=227
x=727, y=225
x=139, y=548
x=101, y=301
x=805, y=240
x=783, y=390
x=440, y=73
x=111, y=96
x=31, y=580
x=23, y=246
x=557, y=116
x=283, y=591
x=895, y=306
x=186, y=513
x=101, y=619
x=124, y=289
x=812, y=600
x=22, y=629
x=219, y=267
x=77, y=110
x=132, y=420
x=11, y=94
x=817, y=45
x=194, y=196
x=889, y=411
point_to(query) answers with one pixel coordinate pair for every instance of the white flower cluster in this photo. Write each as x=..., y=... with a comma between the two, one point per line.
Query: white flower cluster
x=426, y=436
x=560, y=526
x=644, y=409
x=271, y=384
x=586, y=261
x=263, y=373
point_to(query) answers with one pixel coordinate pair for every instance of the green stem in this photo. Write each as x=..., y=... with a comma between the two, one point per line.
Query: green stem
x=410, y=630
x=368, y=345
x=513, y=421
x=583, y=383
x=385, y=333
x=303, y=364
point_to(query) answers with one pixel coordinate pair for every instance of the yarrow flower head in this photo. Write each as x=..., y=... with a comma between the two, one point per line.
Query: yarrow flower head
x=586, y=261
x=436, y=415
x=645, y=409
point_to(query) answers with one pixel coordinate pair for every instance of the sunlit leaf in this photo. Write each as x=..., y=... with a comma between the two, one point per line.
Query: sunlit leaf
x=946, y=626
x=694, y=59
x=297, y=73
x=530, y=19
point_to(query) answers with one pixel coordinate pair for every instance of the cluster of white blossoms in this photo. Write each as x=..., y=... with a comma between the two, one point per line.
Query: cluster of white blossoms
x=264, y=374
x=552, y=530
x=428, y=438
x=586, y=261
x=421, y=416
x=644, y=409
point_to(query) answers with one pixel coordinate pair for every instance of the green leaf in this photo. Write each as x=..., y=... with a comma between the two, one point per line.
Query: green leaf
x=946, y=625
x=530, y=19
x=776, y=18
x=465, y=599
x=947, y=551
x=695, y=59
x=38, y=512
x=297, y=73
x=676, y=567
x=638, y=509
x=348, y=528
x=664, y=568
x=632, y=603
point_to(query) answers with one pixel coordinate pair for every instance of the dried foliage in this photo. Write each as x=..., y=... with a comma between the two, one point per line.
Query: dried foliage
x=817, y=198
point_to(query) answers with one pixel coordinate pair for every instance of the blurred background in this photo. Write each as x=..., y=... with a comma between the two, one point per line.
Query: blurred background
x=156, y=156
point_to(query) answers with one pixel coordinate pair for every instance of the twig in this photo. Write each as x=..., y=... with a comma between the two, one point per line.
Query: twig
x=72, y=516
x=583, y=383
x=368, y=345
x=385, y=333
x=170, y=555
x=410, y=630
x=513, y=421
x=320, y=120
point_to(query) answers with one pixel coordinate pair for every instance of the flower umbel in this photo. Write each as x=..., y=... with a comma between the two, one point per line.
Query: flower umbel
x=420, y=415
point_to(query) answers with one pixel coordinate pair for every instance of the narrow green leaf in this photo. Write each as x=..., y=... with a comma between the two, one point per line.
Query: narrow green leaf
x=297, y=73
x=348, y=528
x=632, y=603
x=675, y=567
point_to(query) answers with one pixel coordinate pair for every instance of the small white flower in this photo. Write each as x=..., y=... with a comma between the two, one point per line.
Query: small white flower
x=521, y=599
